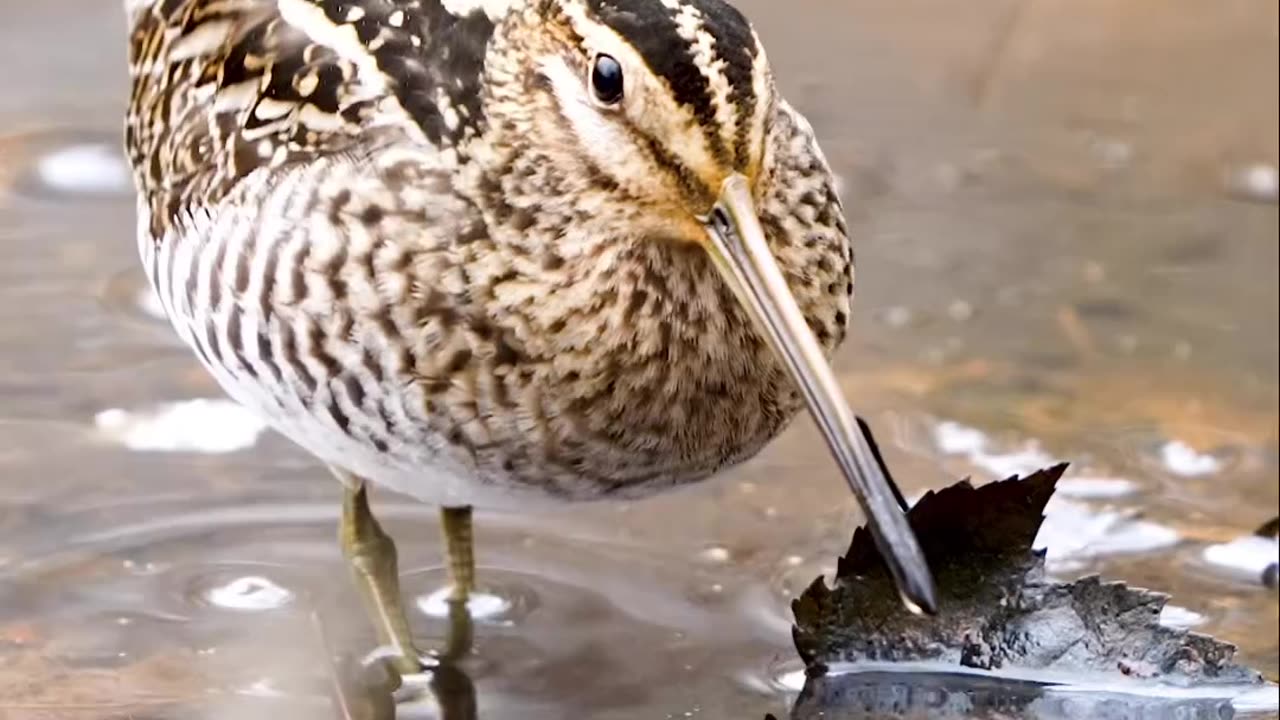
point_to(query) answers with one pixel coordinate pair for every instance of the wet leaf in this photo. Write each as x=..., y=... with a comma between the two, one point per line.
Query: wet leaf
x=997, y=610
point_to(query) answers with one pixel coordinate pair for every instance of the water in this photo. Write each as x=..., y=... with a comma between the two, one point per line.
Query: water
x=1068, y=249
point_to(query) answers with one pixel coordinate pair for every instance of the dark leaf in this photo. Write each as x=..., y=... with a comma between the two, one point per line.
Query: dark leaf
x=996, y=608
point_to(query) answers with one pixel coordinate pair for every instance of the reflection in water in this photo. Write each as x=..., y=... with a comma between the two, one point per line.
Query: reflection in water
x=448, y=694
x=454, y=693
x=873, y=696
x=374, y=691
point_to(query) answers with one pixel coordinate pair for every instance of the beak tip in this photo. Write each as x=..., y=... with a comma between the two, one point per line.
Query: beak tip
x=911, y=573
x=920, y=595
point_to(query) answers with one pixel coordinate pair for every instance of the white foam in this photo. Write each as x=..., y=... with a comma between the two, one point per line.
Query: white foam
x=1073, y=533
x=89, y=168
x=202, y=426
x=1183, y=460
x=1096, y=488
x=1180, y=618
x=956, y=439
x=481, y=606
x=250, y=594
x=716, y=554
x=1259, y=181
x=1249, y=555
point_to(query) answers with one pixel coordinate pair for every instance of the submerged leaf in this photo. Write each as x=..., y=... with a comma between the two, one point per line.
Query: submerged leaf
x=996, y=608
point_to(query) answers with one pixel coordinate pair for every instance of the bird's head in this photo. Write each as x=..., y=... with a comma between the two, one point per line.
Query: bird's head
x=655, y=116
x=656, y=102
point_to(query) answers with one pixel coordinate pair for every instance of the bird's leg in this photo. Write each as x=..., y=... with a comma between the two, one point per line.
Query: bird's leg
x=372, y=556
x=458, y=542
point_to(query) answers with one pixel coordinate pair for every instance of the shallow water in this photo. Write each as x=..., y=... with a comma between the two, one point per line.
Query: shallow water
x=1067, y=230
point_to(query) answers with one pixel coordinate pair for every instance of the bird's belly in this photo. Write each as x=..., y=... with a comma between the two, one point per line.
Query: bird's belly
x=599, y=454
x=413, y=458
x=382, y=436
x=418, y=460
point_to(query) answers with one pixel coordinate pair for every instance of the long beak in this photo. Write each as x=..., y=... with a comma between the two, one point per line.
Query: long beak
x=741, y=253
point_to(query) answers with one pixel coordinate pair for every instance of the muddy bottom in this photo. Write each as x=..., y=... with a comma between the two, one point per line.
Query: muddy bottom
x=1067, y=249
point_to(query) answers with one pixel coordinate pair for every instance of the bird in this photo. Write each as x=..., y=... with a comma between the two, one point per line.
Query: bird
x=496, y=253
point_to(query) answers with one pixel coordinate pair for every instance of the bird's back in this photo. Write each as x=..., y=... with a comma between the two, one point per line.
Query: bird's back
x=293, y=170
x=225, y=88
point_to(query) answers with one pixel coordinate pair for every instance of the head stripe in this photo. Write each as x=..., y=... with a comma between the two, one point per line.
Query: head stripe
x=705, y=51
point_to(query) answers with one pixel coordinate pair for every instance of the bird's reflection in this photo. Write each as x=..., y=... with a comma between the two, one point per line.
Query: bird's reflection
x=376, y=691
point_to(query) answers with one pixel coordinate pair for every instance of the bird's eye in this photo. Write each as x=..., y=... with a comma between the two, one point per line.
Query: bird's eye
x=606, y=80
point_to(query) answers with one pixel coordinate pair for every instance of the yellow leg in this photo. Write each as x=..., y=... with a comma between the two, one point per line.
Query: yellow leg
x=459, y=542
x=372, y=556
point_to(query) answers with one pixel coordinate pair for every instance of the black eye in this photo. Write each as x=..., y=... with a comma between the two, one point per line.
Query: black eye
x=606, y=80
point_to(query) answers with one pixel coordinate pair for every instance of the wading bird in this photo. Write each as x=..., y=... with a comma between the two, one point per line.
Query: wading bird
x=495, y=252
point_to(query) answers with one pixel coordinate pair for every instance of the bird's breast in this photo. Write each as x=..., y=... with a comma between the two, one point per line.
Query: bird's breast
x=636, y=369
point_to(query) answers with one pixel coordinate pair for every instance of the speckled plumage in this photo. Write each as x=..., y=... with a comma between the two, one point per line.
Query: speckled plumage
x=379, y=224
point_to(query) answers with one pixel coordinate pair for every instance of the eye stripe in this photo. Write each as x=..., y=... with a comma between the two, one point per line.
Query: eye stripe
x=695, y=46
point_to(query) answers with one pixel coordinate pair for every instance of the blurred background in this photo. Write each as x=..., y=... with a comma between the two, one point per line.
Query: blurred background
x=1066, y=223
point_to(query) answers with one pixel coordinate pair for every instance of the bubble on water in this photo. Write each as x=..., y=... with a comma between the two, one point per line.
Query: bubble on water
x=202, y=426
x=1183, y=460
x=249, y=594
x=91, y=168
